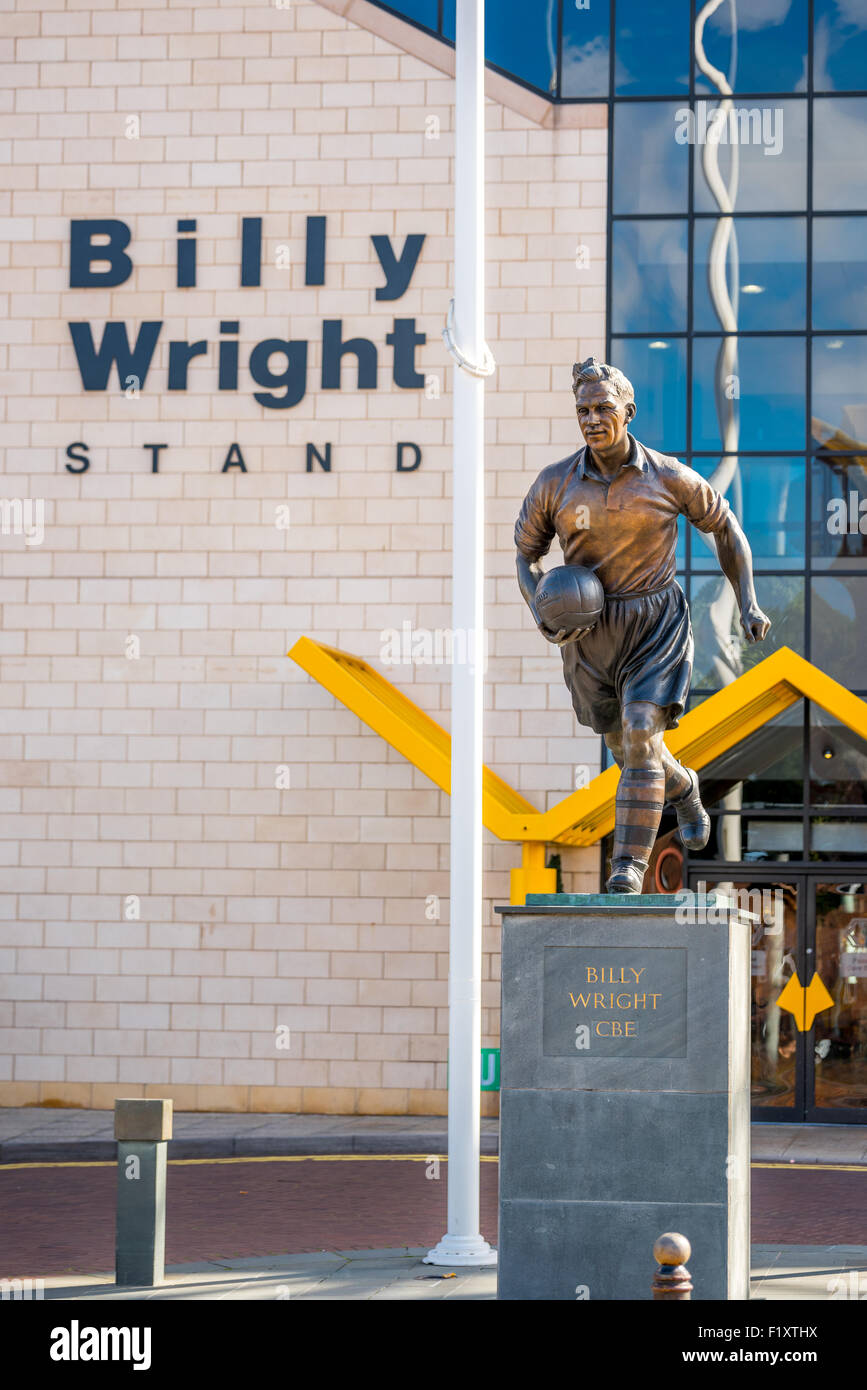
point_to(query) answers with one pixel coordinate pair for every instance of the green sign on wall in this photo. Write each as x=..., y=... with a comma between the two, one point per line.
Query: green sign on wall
x=490, y=1069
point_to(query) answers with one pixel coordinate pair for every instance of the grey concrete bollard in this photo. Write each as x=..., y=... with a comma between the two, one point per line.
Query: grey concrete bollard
x=142, y=1129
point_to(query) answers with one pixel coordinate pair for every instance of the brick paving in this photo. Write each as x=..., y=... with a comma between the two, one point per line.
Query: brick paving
x=61, y=1220
x=800, y=1206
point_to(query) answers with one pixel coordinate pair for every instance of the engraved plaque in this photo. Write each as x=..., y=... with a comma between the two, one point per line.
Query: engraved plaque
x=602, y=1001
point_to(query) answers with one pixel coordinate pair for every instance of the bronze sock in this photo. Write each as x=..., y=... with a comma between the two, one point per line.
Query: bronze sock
x=638, y=808
x=677, y=780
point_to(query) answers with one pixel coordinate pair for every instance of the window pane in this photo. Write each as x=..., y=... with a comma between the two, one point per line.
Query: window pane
x=774, y=1045
x=750, y=390
x=840, y=1039
x=772, y=836
x=521, y=39
x=764, y=770
x=764, y=264
x=840, y=392
x=657, y=369
x=721, y=651
x=840, y=153
x=838, y=762
x=770, y=51
x=586, y=43
x=651, y=167
x=422, y=11
x=771, y=140
x=838, y=839
x=838, y=618
x=652, y=48
x=840, y=272
x=736, y=837
x=648, y=277
x=840, y=45
x=767, y=497
x=839, y=512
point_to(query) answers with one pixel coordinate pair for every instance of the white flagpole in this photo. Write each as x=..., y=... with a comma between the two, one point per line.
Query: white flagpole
x=463, y=1243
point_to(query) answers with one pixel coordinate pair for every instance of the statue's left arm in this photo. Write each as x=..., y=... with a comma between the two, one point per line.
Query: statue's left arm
x=710, y=513
x=736, y=563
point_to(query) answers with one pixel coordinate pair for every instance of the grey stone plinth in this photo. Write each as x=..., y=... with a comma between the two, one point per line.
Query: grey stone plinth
x=624, y=1104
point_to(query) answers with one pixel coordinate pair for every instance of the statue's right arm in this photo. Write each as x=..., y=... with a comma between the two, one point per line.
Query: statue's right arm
x=534, y=531
x=528, y=578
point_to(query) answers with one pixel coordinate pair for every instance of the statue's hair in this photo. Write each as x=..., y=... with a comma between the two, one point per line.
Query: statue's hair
x=592, y=371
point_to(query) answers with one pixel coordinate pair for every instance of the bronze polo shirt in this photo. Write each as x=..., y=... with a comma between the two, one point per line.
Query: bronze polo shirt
x=625, y=530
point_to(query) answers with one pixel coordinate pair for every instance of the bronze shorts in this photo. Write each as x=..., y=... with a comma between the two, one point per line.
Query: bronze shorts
x=640, y=649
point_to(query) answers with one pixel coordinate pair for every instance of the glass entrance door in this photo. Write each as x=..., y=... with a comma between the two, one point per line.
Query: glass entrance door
x=776, y=1046
x=778, y=939
x=837, y=1062
x=809, y=994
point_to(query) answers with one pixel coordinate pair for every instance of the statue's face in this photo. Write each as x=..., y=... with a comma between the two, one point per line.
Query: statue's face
x=603, y=416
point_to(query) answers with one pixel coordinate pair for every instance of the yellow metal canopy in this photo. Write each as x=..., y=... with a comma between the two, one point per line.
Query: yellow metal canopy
x=392, y=715
x=586, y=815
x=583, y=817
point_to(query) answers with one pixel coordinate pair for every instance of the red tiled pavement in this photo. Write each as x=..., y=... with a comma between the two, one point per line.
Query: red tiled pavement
x=805, y=1206
x=58, y=1220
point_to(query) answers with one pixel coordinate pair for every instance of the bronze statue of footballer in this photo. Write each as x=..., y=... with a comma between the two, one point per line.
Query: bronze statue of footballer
x=614, y=506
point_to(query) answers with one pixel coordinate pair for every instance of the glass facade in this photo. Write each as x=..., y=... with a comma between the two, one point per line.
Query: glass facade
x=587, y=50
x=737, y=302
x=737, y=305
x=795, y=789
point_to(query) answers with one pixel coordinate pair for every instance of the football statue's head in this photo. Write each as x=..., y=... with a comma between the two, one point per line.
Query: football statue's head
x=604, y=404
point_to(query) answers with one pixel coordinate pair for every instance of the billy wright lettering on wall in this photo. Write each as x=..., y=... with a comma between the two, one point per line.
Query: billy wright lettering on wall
x=116, y=355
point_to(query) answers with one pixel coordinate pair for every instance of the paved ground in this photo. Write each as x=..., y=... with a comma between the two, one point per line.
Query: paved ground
x=33, y=1133
x=338, y=1274
x=60, y=1219
x=260, y=1220
x=799, y=1205
x=809, y=1272
x=799, y=1272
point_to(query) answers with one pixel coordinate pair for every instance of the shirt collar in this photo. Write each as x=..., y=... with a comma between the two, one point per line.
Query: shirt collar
x=637, y=458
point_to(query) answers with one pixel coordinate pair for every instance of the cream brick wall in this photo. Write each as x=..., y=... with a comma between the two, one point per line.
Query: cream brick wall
x=154, y=778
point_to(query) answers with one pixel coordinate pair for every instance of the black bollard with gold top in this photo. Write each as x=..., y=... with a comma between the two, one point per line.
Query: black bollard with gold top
x=672, y=1281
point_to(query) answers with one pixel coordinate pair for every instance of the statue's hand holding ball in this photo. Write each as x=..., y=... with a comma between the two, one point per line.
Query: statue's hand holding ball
x=568, y=602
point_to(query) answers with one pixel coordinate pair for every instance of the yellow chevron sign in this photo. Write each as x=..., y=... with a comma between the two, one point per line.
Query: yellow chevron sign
x=804, y=1002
